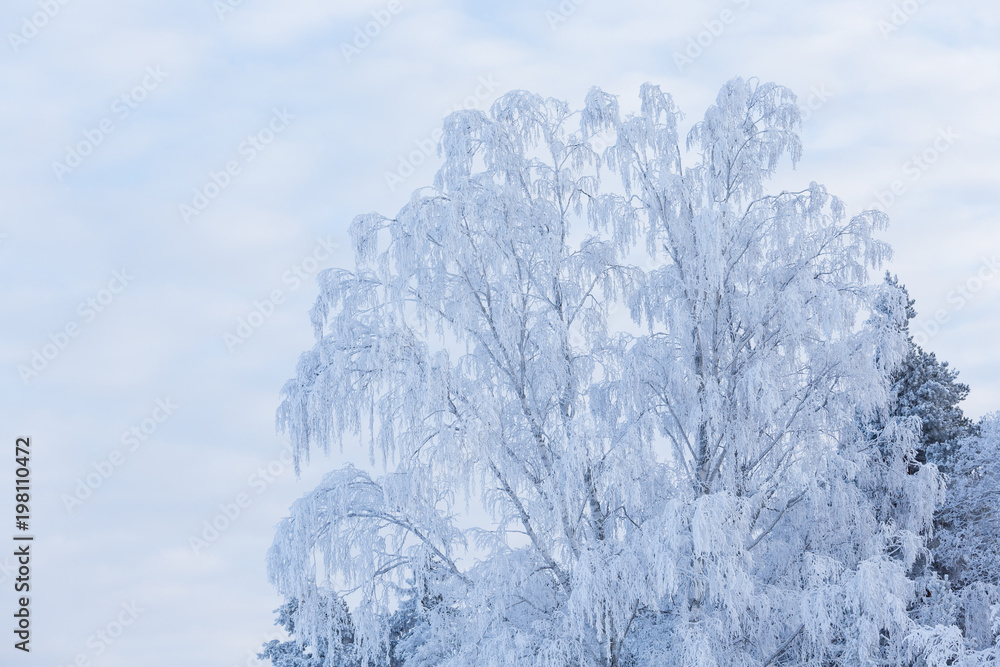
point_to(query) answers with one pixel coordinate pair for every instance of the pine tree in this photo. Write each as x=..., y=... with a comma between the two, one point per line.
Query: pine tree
x=294, y=654
x=927, y=388
x=966, y=542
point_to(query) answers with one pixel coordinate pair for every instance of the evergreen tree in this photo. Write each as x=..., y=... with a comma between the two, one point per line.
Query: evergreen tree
x=927, y=388
x=966, y=544
x=294, y=654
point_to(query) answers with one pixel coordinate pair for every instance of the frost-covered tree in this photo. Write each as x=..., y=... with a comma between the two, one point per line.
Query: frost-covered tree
x=929, y=389
x=969, y=529
x=292, y=653
x=962, y=587
x=342, y=651
x=618, y=404
x=965, y=590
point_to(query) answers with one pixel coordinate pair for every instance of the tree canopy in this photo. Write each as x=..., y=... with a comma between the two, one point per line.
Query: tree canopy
x=666, y=392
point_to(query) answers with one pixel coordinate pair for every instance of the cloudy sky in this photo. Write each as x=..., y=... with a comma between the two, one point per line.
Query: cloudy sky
x=174, y=172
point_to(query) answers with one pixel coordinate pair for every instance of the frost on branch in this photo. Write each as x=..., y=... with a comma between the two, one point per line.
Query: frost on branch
x=654, y=383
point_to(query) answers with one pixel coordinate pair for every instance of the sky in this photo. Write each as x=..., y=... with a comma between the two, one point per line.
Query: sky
x=173, y=174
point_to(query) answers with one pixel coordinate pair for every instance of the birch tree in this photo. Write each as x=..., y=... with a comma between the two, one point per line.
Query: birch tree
x=613, y=400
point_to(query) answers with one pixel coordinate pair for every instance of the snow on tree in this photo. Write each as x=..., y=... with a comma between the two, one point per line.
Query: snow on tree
x=341, y=651
x=928, y=388
x=292, y=653
x=968, y=539
x=653, y=377
x=966, y=542
x=964, y=589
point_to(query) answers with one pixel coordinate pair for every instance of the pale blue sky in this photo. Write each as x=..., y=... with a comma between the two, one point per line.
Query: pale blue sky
x=201, y=85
